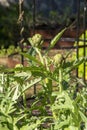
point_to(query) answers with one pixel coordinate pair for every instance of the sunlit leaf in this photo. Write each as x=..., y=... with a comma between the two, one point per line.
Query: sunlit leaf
x=56, y=39
x=84, y=118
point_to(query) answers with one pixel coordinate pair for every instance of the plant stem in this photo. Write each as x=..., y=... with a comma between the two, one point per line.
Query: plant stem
x=24, y=100
x=60, y=80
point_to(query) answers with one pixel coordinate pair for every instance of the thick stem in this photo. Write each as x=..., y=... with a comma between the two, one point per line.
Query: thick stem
x=60, y=80
x=24, y=100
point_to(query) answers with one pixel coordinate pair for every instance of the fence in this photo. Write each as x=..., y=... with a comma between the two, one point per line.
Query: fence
x=84, y=40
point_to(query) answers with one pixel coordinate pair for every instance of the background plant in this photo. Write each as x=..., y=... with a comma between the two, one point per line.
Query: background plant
x=9, y=51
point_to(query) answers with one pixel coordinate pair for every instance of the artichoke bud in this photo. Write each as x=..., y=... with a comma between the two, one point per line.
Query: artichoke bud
x=36, y=40
x=57, y=59
x=18, y=66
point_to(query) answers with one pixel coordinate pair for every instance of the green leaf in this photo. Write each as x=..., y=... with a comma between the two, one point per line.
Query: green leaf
x=77, y=63
x=71, y=128
x=26, y=127
x=83, y=117
x=32, y=82
x=32, y=58
x=22, y=75
x=85, y=126
x=61, y=124
x=15, y=95
x=3, y=127
x=68, y=103
x=56, y=39
x=18, y=118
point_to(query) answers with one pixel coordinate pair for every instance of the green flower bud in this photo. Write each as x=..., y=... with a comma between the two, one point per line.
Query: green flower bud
x=36, y=40
x=18, y=66
x=57, y=59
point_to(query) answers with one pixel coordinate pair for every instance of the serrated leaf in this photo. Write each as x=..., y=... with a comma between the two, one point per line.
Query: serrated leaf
x=31, y=84
x=15, y=95
x=23, y=74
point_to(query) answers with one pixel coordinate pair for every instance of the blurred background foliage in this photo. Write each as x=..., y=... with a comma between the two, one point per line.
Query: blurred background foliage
x=8, y=25
x=48, y=13
x=9, y=28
